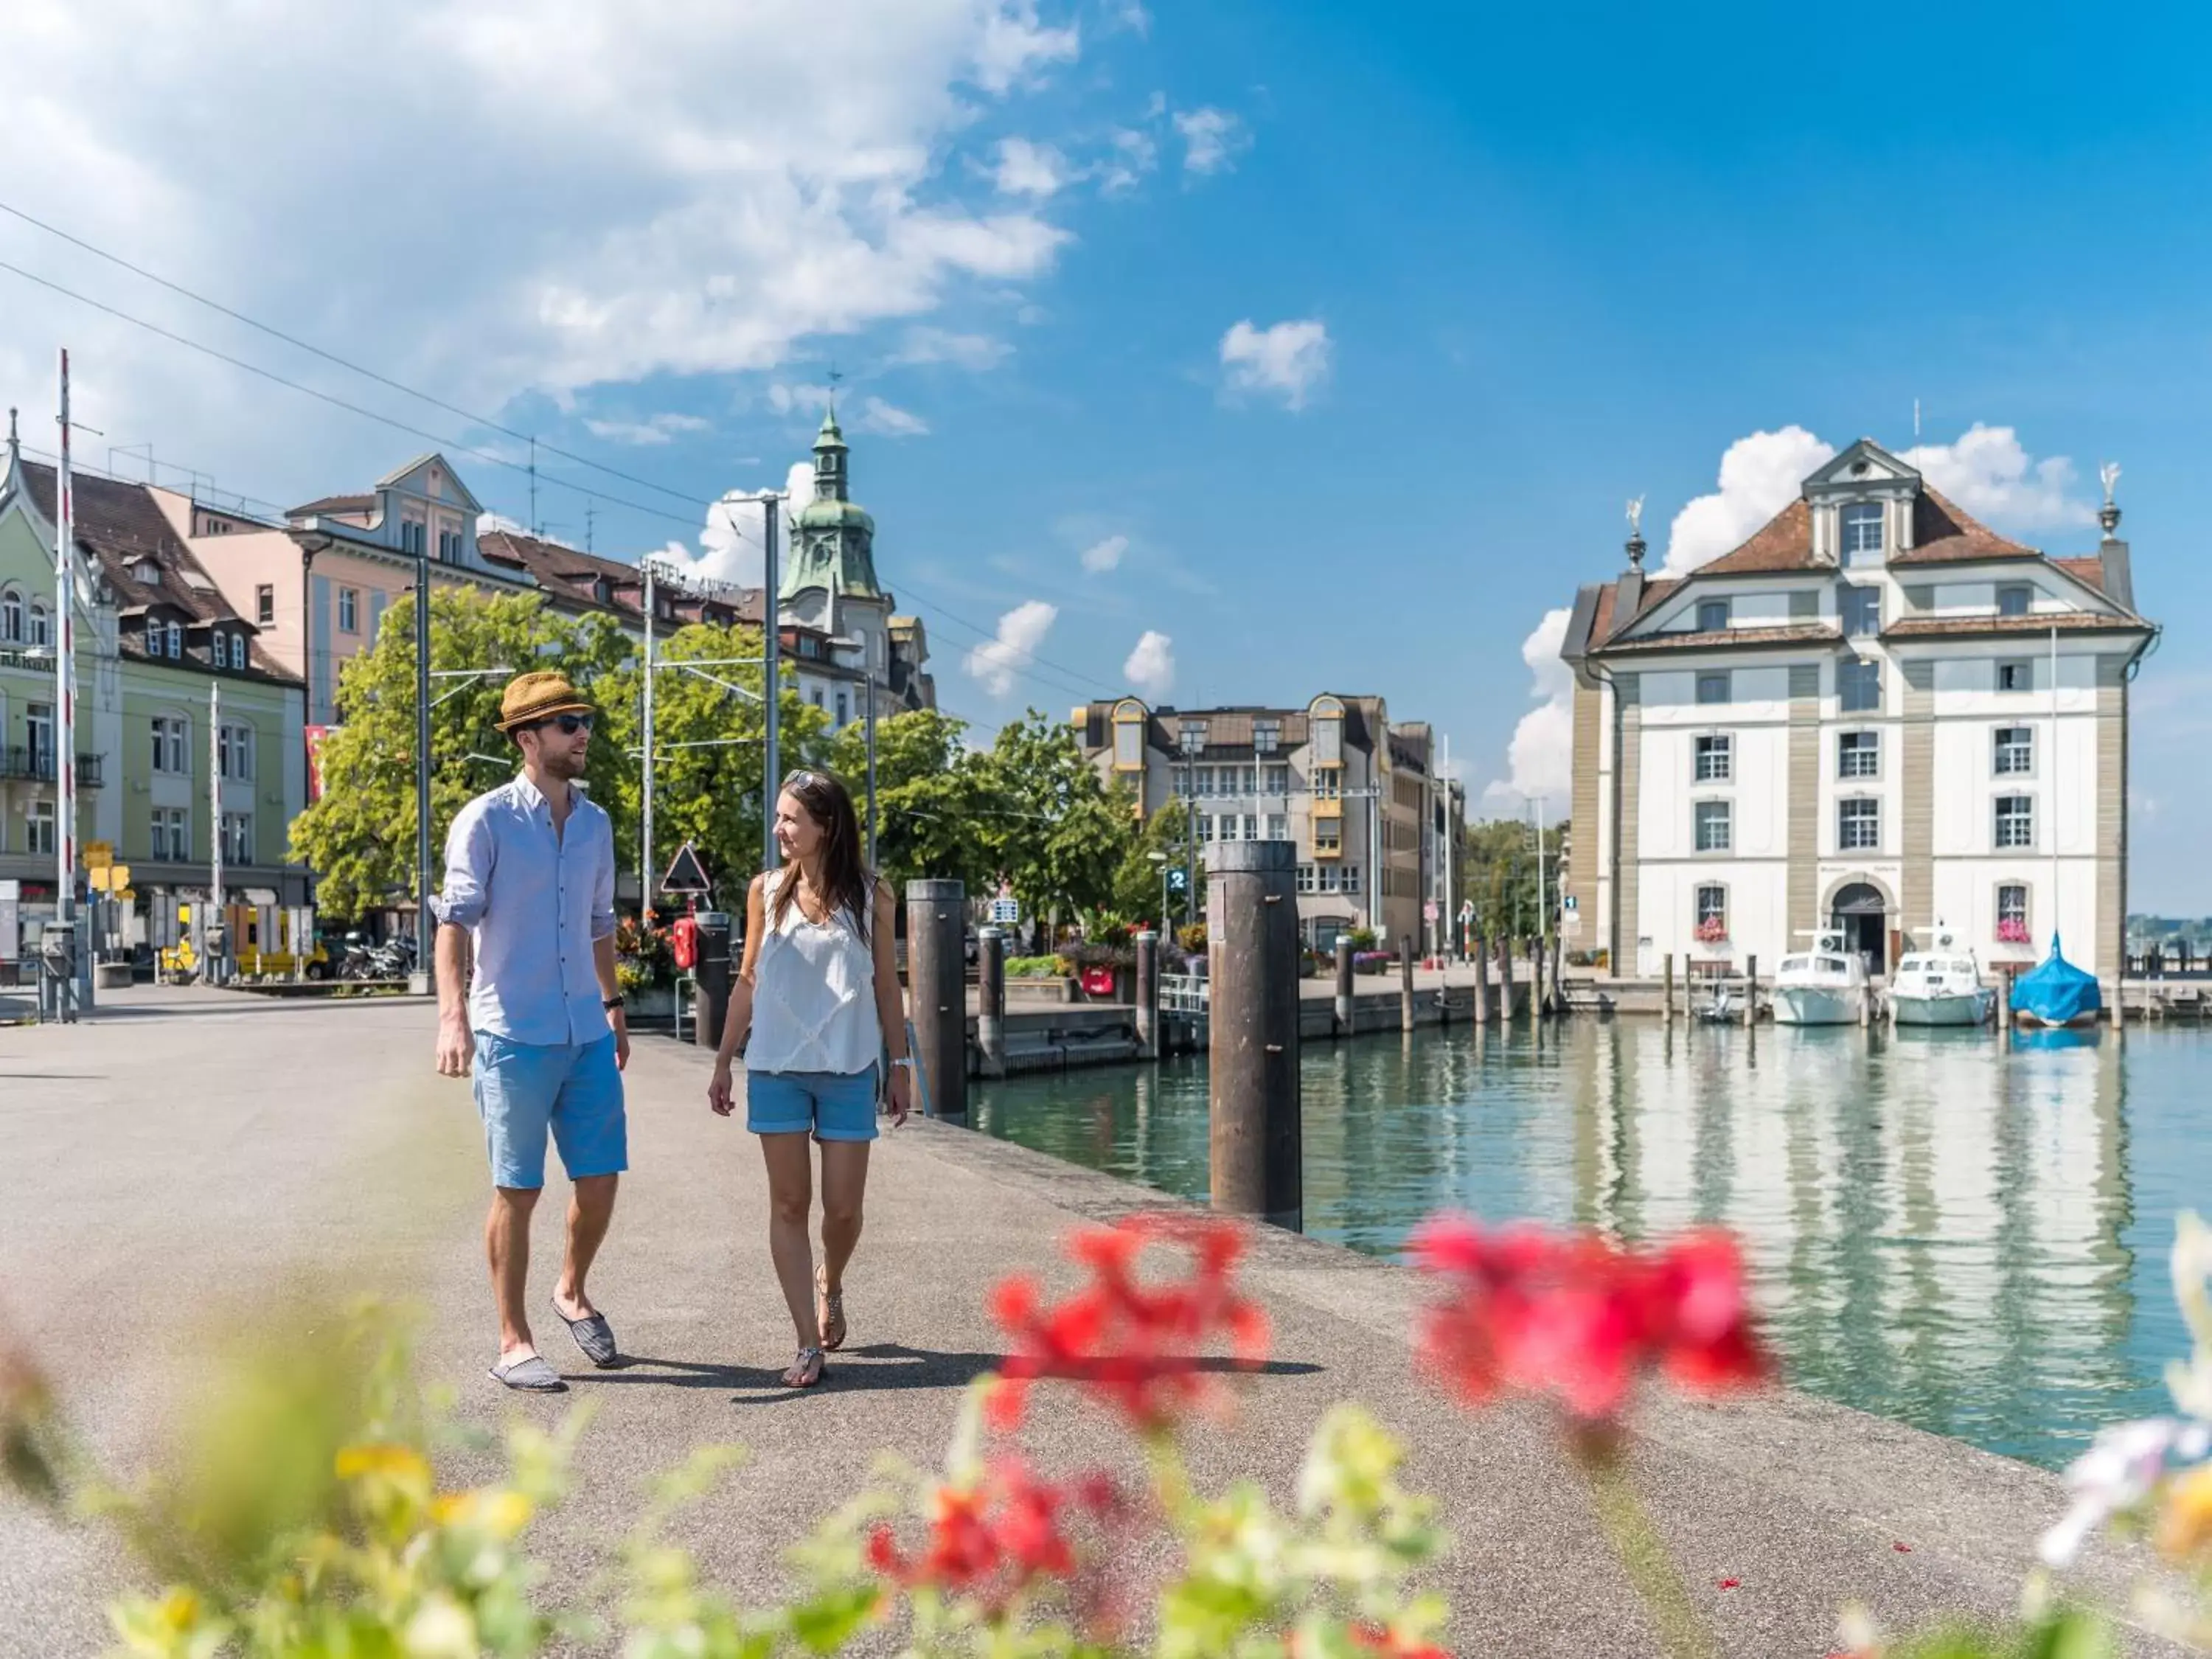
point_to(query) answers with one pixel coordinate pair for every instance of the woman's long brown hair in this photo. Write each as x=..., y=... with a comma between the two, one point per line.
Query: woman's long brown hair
x=845, y=884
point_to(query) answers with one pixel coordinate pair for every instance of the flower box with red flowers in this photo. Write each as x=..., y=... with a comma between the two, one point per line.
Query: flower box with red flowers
x=2012, y=931
x=1713, y=930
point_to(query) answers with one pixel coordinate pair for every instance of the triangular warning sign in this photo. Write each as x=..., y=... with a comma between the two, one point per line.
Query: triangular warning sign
x=686, y=874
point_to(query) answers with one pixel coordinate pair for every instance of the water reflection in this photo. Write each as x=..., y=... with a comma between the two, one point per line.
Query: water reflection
x=1967, y=1238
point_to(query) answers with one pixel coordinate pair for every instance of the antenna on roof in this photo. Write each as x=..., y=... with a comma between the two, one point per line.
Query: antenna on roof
x=591, y=513
x=1636, y=533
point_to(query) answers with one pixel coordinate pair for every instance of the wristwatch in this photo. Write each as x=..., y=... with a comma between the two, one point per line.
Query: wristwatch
x=612, y=1003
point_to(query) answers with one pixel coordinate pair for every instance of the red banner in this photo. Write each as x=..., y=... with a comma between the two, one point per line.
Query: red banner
x=315, y=736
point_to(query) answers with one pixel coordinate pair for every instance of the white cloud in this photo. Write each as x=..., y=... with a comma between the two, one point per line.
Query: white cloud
x=1759, y=475
x=1214, y=138
x=871, y=413
x=1135, y=155
x=1987, y=472
x=489, y=523
x=1130, y=14
x=973, y=352
x=666, y=188
x=1539, y=760
x=1027, y=168
x=1105, y=555
x=1288, y=360
x=730, y=548
x=998, y=662
x=889, y=421
x=1151, y=667
x=654, y=429
x=1016, y=47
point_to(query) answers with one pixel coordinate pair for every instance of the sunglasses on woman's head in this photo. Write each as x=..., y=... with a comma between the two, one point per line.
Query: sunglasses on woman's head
x=570, y=724
x=802, y=779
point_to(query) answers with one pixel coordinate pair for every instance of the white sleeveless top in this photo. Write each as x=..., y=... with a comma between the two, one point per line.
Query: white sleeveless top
x=814, y=993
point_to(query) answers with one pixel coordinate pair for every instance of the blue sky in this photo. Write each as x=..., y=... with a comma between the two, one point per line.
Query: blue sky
x=1520, y=265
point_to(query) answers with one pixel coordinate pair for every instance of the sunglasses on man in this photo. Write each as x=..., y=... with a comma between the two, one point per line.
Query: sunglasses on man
x=570, y=724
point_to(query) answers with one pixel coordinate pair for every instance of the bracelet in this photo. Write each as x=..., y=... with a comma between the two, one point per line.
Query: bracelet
x=905, y=1061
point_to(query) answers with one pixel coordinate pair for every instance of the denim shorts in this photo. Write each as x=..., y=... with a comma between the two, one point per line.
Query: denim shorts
x=523, y=1089
x=835, y=1105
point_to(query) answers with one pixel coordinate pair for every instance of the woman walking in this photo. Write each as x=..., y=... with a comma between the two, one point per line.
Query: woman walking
x=819, y=993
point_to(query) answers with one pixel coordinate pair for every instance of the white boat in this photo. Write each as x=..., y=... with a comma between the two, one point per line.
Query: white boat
x=1825, y=986
x=1941, y=985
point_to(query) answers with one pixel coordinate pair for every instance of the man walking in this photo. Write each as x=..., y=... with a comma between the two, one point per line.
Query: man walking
x=529, y=891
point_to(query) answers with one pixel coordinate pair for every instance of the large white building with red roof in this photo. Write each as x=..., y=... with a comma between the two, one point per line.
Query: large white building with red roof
x=1852, y=721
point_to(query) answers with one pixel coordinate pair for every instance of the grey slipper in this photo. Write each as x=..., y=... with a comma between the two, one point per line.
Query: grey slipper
x=530, y=1375
x=594, y=1336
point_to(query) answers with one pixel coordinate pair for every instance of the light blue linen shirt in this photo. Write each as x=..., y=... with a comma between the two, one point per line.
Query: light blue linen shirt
x=534, y=903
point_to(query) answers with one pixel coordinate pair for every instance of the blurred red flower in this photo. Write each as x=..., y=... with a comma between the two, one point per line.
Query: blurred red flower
x=1134, y=1343
x=1371, y=1638
x=1580, y=1318
x=995, y=1538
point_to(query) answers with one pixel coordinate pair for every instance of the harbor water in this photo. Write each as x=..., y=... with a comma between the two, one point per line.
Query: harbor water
x=1965, y=1235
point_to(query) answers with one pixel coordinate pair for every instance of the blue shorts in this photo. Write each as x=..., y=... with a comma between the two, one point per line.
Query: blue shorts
x=835, y=1105
x=523, y=1089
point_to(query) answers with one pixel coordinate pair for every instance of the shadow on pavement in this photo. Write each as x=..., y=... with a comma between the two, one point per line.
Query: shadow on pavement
x=882, y=1365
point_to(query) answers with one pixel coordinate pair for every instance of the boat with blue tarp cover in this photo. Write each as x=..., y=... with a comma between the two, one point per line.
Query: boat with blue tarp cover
x=2057, y=992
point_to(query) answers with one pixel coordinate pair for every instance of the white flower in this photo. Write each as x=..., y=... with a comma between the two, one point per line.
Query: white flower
x=2117, y=1473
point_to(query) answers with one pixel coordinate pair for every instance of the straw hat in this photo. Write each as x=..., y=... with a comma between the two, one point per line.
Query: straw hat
x=533, y=697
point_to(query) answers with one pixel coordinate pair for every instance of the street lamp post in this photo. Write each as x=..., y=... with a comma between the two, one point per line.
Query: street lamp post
x=421, y=981
x=771, y=678
x=1194, y=745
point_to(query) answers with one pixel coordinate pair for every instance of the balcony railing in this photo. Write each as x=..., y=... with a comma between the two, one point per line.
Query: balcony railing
x=36, y=765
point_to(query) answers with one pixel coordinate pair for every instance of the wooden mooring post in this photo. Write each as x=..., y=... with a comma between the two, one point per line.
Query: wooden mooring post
x=1481, y=983
x=1505, y=981
x=1254, y=1146
x=1751, y=991
x=1148, y=993
x=991, y=999
x=937, y=992
x=1405, y=982
x=1666, y=990
x=1342, y=1025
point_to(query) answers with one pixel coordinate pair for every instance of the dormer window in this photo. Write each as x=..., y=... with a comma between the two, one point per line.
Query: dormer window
x=1712, y=617
x=2014, y=600
x=173, y=639
x=1861, y=529
x=146, y=573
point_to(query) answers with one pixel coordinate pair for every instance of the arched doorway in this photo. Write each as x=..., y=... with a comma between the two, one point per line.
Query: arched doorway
x=1862, y=916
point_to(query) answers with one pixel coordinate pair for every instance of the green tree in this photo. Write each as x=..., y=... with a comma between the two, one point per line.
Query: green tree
x=1501, y=875
x=930, y=797
x=708, y=736
x=1137, y=883
x=1056, y=834
x=360, y=836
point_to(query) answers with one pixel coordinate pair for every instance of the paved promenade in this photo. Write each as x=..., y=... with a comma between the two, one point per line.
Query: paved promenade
x=191, y=1145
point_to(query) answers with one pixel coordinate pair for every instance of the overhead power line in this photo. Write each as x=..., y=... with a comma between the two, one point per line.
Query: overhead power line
x=271, y=375
x=313, y=350
x=1041, y=671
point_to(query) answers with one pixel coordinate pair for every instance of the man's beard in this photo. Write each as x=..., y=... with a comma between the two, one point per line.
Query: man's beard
x=570, y=766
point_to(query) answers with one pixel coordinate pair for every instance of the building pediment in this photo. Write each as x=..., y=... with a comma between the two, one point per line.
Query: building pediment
x=432, y=478
x=1866, y=466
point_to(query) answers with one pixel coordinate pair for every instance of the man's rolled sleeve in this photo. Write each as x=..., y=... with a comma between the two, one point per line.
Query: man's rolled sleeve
x=468, y=870
x=603, y=885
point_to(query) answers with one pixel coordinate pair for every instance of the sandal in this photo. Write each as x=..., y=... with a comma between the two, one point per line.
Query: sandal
x=831, y=1317
x=809, y=1359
